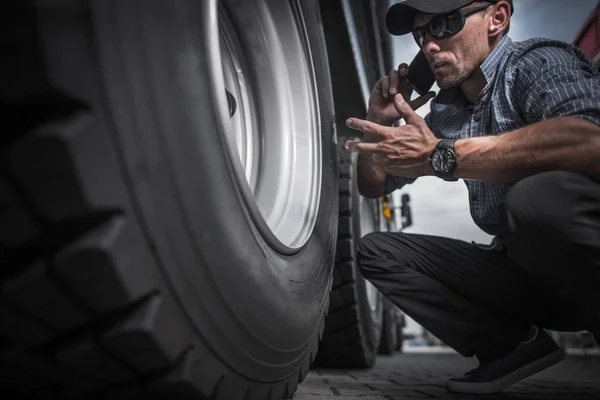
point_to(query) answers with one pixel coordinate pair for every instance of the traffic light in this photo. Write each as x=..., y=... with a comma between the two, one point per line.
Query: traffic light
x=387, y=208
x=405, y=211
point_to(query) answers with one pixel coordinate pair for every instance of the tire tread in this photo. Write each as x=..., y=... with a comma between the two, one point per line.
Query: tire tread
x=83, y=309
x=342, y=326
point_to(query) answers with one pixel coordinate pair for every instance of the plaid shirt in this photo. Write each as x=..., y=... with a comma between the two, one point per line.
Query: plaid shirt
x=527, y=82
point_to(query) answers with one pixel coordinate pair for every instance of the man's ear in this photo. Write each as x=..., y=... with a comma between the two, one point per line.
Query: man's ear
x=500, y=19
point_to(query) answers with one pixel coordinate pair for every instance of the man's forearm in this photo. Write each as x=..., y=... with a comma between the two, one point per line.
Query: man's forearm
x=565, y=143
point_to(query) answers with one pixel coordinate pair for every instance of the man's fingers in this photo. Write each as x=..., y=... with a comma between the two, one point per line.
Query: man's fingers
x=398, y=79
x=361, y=147
x=422, y=100
x=405, y=110
x=404, y=87
x=393, y=79
x=385, y=86
x=366, y=126
x=402, y=74
x=366, y=149
x=403, y=69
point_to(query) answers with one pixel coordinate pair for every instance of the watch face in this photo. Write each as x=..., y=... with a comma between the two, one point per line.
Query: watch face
x=443, y=160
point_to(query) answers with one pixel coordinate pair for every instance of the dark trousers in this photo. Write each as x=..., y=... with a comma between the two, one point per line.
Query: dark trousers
x=482, y=302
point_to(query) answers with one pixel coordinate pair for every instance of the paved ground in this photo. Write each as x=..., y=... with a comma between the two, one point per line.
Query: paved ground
x=412, y=376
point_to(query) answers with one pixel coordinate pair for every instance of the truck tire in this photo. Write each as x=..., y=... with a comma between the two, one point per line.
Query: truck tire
x=140, y=258
x=389, y=331
x=353, y=325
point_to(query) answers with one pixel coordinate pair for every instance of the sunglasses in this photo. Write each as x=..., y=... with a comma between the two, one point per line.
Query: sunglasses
x=445, y=25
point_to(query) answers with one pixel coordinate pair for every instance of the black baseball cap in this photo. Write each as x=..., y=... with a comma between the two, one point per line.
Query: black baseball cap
x=401, y=16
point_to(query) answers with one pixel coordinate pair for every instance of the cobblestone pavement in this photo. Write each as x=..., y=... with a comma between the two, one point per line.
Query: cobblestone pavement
x=412, y=376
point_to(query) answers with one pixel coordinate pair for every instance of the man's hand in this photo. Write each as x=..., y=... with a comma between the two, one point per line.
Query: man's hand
x=381, y=102
x=401, y=151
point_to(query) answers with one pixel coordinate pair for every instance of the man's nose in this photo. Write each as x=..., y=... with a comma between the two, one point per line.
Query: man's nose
x=430, y=47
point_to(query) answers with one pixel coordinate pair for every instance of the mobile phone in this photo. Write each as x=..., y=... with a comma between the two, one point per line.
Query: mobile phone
x=420, y=74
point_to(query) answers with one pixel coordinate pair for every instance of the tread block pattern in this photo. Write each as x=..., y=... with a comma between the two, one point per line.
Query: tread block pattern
x=91, y=277
x=16, y=225
x=303, y=372
x=345, y=250
x=342, y=315
x=342, y=343
x=46, y=370
x=233, y=386
x=337, y=276
x=14, y=380
x=112, y=258
x=37, y=293
x=346, y=186
x=182, y=382
x=42, y=163
x=129, y=392
x=152, y=337
x=348, y=293
x=176, y=383
x=337, y=300
x=345, y=205
x=345, y=226
x=21, y=329
x=86, y=357
x=346, y=272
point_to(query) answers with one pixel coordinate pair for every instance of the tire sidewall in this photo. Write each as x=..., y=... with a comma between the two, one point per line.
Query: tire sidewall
x=258, y=309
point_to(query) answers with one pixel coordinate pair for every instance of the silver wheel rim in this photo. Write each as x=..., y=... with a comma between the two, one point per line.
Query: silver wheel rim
x=264, y=67
x=368, y=224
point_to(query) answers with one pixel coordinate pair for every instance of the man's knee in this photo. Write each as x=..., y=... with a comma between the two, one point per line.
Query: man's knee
x=374, y=252
x=545, y=203
x=547, y=216
x=369, y=246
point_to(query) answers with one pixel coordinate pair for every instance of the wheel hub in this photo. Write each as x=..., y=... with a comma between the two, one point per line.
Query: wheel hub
x=273, y=112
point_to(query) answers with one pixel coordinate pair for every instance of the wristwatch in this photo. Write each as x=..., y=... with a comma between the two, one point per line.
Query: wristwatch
x=444, y=160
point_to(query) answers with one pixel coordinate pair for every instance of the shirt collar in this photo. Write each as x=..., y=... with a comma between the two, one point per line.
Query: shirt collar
x=490, y=64
x=489, y=67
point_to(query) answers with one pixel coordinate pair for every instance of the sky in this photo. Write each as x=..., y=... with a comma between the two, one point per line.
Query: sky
x=442, y=208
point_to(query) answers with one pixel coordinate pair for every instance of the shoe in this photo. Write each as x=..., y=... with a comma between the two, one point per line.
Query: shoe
x=528, y=358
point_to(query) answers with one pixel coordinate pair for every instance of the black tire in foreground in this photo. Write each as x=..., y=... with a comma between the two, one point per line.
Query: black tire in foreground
x=353, y=325
x=137, y=255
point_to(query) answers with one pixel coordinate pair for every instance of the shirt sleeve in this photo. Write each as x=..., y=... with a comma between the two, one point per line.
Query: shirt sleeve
x=396, y=182
x=554, y=81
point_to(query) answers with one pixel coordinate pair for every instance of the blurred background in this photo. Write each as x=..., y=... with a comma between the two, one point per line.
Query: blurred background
x=442, y=208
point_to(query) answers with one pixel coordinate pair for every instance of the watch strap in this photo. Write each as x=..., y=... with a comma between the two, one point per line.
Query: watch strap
x=446, y=144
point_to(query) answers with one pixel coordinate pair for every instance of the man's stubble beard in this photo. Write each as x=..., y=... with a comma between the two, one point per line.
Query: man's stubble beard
x=459, y=75
x=455, y=78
